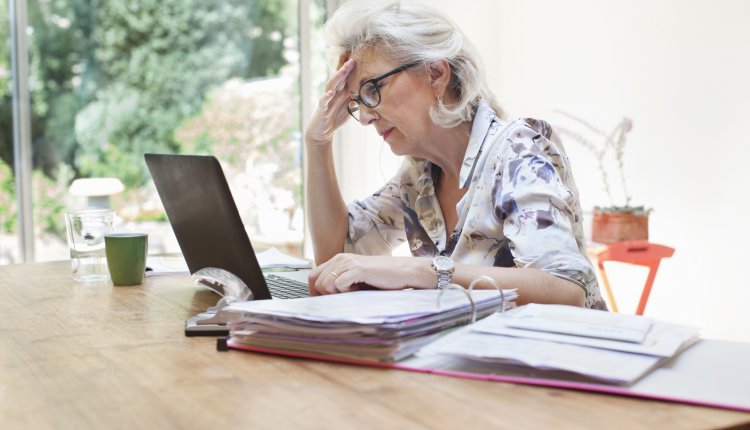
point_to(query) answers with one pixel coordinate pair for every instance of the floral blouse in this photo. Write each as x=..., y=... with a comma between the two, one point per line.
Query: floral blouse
x=521, y=208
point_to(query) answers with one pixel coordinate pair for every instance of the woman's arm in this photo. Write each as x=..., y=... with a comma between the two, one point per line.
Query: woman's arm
x=326, y=211
x=349, y=272
x=534, y=285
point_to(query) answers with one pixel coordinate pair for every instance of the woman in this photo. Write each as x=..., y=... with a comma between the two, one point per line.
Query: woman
x=476, y=195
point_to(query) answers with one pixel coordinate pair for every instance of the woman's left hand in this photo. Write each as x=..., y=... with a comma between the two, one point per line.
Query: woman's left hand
x=352, y=272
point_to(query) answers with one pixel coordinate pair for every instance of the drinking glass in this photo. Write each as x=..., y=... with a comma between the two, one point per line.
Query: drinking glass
x=86, y=230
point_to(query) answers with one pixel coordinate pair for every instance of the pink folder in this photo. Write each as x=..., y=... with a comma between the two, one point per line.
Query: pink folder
x=710, y=373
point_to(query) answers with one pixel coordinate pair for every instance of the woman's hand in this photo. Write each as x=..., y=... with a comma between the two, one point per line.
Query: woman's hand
x=352, y=272
x=331, y=112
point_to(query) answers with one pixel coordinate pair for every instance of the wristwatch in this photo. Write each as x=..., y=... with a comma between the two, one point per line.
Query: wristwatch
x=444, y=267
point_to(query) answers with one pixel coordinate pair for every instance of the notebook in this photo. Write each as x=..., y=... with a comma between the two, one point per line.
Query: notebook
x=207, y=224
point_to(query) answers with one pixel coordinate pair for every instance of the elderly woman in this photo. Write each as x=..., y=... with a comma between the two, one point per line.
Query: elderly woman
x=476, y=194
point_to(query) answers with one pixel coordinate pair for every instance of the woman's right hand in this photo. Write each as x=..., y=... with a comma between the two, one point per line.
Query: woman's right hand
x=331, y=112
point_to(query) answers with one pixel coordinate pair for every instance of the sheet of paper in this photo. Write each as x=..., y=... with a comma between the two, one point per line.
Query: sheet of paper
x=367, y=307
x=581, y=322
x=272, y=257
x=663, y=340
x=613, y=366
x=164, y=266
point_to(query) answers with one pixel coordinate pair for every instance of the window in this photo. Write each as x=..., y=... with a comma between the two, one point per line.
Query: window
x=8, y=242
x=110, y=81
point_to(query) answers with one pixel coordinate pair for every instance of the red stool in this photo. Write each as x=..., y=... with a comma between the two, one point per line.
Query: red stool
x=639, y=252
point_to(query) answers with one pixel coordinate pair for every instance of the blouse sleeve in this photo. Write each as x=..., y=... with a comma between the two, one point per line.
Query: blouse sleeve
x=376, y=224
x=536, y=201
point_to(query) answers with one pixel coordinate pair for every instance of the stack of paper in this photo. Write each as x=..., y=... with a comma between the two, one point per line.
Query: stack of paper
x=362, y=325
x=606, y=346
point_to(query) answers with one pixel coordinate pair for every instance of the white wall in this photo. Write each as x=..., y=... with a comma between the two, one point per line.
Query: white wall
x=681, y=71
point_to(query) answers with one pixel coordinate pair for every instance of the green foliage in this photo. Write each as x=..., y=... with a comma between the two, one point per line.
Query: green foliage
x=151, y=217
x=5, y=72
x=112, y=80
x=49, y=208
x=6, y=109
x=7, y=199
x=161, y=57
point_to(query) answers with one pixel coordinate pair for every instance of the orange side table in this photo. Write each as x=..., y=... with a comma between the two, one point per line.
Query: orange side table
x=638, y=252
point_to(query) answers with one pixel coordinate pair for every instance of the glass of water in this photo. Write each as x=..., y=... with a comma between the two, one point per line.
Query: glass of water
x=86, y=230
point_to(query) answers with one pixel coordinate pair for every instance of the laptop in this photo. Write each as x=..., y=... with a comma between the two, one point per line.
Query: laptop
x=208, y=227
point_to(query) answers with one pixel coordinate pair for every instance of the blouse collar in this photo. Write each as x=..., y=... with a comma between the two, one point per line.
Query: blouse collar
x=483, y=120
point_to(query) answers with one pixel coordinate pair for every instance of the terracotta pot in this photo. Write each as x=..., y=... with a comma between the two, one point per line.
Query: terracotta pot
x=610, y=227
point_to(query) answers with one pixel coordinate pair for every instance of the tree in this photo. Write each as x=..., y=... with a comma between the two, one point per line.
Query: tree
x=114, y=79
x=111, y=80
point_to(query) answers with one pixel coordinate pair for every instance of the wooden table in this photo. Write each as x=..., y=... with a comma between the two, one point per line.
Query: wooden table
x=97, y=356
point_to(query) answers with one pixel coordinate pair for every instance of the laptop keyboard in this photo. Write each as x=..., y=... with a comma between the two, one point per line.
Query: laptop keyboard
x=285, y=288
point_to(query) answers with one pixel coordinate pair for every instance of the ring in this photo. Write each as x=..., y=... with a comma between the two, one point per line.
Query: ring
x=335, y=275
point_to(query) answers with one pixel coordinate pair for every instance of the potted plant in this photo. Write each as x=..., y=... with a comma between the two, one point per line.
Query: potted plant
x=612, y=223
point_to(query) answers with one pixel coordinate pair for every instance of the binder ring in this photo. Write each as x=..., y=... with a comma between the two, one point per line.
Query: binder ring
x=463, y=290
x=494, y=284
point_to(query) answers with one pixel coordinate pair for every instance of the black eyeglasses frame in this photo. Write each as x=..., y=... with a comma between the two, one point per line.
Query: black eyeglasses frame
x=374, y=81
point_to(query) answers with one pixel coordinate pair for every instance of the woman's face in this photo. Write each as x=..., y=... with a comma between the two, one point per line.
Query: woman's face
x=402, y=117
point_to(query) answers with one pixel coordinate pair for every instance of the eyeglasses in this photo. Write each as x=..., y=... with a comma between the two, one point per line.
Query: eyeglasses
x=369, y=92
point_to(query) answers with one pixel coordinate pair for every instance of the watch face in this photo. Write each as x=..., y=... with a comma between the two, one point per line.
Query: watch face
x=443, y=263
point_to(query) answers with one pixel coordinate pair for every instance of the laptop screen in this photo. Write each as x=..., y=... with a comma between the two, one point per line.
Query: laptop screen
x=204, y=217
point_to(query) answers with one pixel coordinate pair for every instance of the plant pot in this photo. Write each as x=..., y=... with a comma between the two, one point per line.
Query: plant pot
x=610, y=227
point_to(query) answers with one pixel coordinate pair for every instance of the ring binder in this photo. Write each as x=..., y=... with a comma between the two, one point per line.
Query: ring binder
x=468, y=291
x=463, y=290
x=494, y=284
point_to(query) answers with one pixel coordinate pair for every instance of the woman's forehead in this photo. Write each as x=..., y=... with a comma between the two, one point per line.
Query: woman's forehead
x=370, y=63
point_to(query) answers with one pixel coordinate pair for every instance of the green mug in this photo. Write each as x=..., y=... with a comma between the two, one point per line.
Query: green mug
x=126, y=257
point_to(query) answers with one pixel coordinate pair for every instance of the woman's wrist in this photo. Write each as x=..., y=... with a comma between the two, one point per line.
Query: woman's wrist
x=425, y=276
x=313, y=143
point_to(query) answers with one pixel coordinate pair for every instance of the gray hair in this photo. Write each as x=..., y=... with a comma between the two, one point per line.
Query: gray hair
x=408, y=31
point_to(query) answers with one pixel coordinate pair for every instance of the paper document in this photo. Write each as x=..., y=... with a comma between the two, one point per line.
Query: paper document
x=581, y=322
x=164, y=266
x=363, y=325
x=663, y=340
x=569, y=339
x=612, y=366
x=365, y=307
x=272, y=257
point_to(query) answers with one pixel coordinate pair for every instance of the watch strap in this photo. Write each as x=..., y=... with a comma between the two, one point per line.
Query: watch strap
x=444, y=278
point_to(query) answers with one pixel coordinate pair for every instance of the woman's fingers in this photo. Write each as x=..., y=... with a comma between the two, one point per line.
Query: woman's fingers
x=338, y=80
x=330, y=277
x=349, y=272
x=330, y=281
x=331, y=112
x=325, y=100
x=343, y=58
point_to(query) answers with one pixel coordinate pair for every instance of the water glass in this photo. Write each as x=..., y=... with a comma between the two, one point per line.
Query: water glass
x=86, y=230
